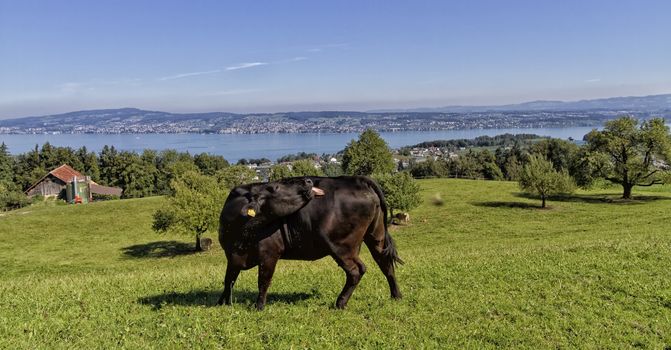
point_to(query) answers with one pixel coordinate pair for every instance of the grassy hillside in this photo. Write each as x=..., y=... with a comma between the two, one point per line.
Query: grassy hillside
x=486, y=269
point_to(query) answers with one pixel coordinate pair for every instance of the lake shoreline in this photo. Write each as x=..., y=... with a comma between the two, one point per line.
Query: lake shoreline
x=270, y=145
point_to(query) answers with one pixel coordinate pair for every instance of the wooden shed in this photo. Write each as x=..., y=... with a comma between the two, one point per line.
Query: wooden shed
x=54, y=184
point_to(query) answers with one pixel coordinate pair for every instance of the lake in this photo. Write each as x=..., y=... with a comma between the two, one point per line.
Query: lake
x=271, y=146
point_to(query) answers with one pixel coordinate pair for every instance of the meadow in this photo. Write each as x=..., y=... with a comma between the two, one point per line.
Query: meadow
x=487, y=269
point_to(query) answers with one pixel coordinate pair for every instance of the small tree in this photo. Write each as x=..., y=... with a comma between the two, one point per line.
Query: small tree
x=632, y=152
x=539, y=177
x=401, y=191
x=369, y=155
x=194, y=206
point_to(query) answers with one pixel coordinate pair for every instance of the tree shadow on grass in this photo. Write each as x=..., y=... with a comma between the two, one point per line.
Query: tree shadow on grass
x=614, y=198
x=210, y=298
x=519, y=205
x=158, y=249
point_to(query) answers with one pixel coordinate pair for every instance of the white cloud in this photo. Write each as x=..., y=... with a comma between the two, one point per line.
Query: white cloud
x=246, y=65
x=595, y=80
x=71, y=87
x=234, y=92
x=184, y=75
x=320, y=48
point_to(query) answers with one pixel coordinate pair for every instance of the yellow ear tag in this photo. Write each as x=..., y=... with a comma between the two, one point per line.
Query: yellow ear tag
x=251, y=212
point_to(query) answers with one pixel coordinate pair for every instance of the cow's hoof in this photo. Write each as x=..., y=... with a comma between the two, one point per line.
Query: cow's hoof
x=397, y=296
x=259, y=307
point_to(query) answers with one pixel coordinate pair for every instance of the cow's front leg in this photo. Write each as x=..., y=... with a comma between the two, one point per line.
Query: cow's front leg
x=266, y=270
x=231, y=275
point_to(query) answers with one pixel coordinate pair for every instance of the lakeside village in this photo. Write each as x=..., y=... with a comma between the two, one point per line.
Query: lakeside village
x=403, y=157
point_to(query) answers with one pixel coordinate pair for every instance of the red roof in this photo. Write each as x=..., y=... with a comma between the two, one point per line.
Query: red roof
x=65, y=173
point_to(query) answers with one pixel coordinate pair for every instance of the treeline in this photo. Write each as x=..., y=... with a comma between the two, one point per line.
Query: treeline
x=147, y=173
x=505, y=163
x=139, y=174
x=480, y=141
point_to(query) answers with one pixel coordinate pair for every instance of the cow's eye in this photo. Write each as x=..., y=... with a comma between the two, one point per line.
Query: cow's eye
x=270, y=189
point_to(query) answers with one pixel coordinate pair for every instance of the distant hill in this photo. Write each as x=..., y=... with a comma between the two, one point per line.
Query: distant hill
x=544, y=114
x=652, y=103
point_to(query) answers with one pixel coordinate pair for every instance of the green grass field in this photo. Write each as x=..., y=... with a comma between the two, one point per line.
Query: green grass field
x=488, y=269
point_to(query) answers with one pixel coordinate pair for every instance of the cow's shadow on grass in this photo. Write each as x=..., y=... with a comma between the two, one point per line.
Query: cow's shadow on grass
x=158, y=249
x=210, y=298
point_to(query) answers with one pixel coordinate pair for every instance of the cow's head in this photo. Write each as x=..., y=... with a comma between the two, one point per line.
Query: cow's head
x=280, y=198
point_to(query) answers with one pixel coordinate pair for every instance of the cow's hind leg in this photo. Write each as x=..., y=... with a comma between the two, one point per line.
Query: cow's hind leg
x=385, y=262
x=354, y=270
x=266, y=270
x=231, y=275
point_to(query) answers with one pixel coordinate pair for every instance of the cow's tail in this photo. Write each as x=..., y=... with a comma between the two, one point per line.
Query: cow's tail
x=389, y=250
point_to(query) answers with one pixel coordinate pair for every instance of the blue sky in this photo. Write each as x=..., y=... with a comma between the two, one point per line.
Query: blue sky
x=257, y=56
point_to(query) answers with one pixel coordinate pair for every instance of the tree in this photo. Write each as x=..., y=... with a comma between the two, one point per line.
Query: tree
x=369, y=155
x=429, y=168
x=209, y=164
x=279, y=171
x=401, y=191
x=305, y=167
x=489, y=169
x=194, y=206
x=332, y=169
x=466, y=166
x=134, y=176
x=539, y=177
x=170, y=164
x=633, y=152
x=235, y=175
x=562, y=154
x=109, y=166
x=89, y=162
x=6, y=165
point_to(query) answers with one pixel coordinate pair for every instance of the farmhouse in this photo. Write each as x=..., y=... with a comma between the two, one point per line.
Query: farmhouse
x=67, y=183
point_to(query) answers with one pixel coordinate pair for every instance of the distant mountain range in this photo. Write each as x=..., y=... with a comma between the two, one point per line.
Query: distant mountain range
x=650, y=103
x=524, y=115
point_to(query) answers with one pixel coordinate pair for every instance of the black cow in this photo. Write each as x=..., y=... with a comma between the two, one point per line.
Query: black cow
x=262, y=223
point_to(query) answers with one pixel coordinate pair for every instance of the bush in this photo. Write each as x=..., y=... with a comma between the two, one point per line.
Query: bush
x=104, y=197
x=10, y=200
x=400, y=190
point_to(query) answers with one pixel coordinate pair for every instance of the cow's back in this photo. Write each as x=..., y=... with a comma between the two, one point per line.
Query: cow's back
x=349, y=203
